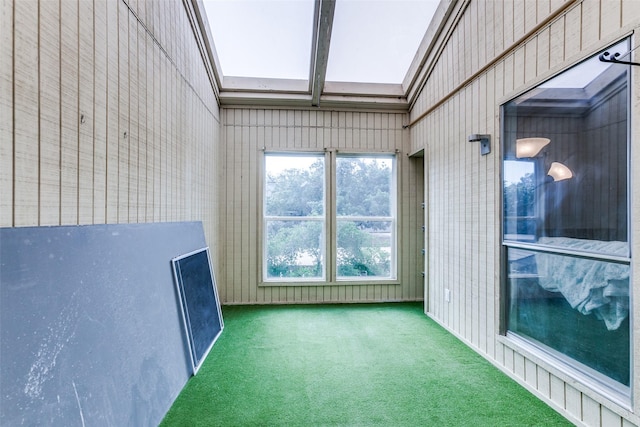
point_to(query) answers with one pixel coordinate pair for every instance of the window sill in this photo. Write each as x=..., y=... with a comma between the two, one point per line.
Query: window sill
x=385, y=282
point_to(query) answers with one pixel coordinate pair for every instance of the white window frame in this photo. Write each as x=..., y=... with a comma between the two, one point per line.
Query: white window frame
x=330, y=224
x=393, y=219
x=321, y=218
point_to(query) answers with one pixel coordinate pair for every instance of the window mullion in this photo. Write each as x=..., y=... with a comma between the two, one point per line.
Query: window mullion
x=331, y=243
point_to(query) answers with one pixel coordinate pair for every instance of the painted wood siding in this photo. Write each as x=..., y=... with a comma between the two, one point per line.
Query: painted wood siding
x=494, y=51
x=107, y=115
x=246, y=133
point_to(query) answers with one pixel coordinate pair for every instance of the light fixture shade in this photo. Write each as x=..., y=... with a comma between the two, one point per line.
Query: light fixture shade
x=559, y=172
x=530, y=147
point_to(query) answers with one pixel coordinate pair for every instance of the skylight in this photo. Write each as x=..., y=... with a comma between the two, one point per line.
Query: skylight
x=374, y=41
x=262, y=38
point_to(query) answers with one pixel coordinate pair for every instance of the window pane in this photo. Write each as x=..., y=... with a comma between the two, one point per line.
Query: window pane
x=565, y=169
x=577, y=307
x=520, y=207
x=375, y=41
x=363, y=186
x=294, y=185
x=262, y=38
x=295, y=249
x=364, y=248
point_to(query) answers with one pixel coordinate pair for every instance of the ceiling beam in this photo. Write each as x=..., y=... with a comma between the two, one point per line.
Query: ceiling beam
x=323, y=22
x=231, y=99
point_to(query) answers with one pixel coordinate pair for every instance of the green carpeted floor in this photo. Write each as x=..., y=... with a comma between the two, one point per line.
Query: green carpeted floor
x=348, y=365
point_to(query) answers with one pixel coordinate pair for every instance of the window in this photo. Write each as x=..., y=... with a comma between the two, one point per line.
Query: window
x=294, y=217
x=520, y=207
x=355, y=230
x=365, y=222
x=565, y=220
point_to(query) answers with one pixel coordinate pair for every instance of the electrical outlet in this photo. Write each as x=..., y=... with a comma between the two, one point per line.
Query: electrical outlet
x=447, y=295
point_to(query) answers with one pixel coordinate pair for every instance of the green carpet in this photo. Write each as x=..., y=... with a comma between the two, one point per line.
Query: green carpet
x=348, y=365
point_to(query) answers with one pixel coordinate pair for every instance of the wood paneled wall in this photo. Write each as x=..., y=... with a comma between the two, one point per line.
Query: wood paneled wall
x=494, y=51
x=246, y=133
x=107, y=114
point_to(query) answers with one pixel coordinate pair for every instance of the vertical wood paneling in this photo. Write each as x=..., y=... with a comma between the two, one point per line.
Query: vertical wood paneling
x=519, y=67
x=100, y=112
x=6, y=112
x=134, y=120
x=86, y=109
x=157, y=141
x=476, y=44
x=542, y=52
x=530, y=15
x=542, y=380
x=519, y=366
x=124, y=115
x=467, y=46
x=591, y=412
x=590, y=26
x=86, y=90
x=246, y=205
x=111, y=197
x=509, y=22
x=69, y=109
x=26, y=114
x=556, y=391
x=630, y=11
x=176, y=156
x=49, y=72
x=573, y=401
x=573, y=36
x=252, y=247
x=164, y=171
x=143, y=168
x=556, y=42
x=225, y=195
x=466, y=225
x=236, y=204
x=499, y=27
x=543, y=9
x=610, y=418
x=530, y=66
x=481, y=281
x=531, y=373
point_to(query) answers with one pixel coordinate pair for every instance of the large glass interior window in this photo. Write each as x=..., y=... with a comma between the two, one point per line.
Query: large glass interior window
x=294, y=217
x=566, y=216
x=365, y=217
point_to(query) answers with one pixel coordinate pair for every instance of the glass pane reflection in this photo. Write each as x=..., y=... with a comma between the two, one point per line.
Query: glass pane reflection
x=578, y=307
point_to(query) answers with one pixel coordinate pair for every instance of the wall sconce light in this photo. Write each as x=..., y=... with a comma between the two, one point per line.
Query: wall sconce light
x=485, y=142
x=530, y=147
x=559, y=172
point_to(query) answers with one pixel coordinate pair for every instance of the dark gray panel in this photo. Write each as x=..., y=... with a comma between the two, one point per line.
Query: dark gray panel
x=200, y=303
x=90, y=327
